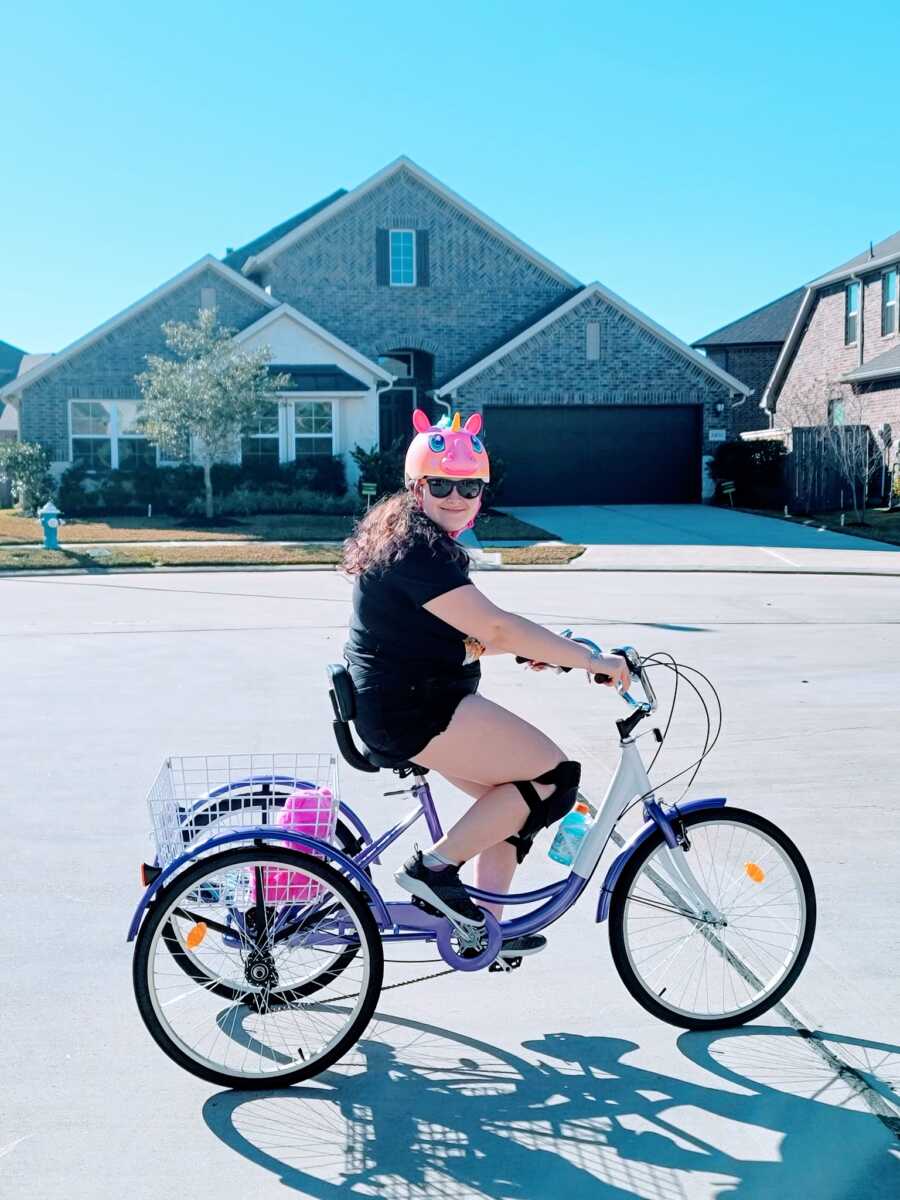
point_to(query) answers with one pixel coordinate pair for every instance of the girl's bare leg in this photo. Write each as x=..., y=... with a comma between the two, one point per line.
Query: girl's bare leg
x=495, y=866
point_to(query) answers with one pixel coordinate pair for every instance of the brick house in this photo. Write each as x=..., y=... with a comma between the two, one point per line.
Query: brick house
x=401, y=293
x=749, y=348
x=841, y=361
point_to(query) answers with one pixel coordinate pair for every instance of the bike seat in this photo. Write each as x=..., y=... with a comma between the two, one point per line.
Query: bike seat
x=343, y=700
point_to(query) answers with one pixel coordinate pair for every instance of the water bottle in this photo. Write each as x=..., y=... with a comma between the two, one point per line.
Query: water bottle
x=571, y=830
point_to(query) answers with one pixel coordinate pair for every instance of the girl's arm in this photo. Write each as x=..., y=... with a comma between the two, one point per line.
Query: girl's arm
x=469, y=610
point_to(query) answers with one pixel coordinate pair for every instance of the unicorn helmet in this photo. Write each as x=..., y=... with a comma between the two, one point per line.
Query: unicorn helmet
x=448, y=449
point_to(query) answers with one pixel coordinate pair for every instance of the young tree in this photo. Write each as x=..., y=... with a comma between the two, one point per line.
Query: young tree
x=840, y=421
x=208, y=390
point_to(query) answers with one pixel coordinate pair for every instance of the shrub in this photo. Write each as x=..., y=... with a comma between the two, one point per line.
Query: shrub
x=384, y=468
x=756, y=468
x=247, y=501
x=27, y=467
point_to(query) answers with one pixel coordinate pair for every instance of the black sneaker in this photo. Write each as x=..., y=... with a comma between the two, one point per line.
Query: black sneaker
x=441, y=888
x=518, y=947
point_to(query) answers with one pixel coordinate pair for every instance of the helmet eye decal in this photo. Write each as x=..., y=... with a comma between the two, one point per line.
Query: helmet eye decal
x=436, y=442
x=477, y=445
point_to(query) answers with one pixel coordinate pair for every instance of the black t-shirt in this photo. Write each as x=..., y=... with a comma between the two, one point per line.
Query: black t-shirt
x=393, y=640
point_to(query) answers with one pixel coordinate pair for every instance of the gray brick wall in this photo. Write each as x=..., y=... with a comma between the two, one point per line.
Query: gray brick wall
x=751, y=364
x=480, y=289
x=106, y=369
x=635, y=367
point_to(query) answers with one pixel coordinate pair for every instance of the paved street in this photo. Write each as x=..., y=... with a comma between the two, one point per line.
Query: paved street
x=548, y=1082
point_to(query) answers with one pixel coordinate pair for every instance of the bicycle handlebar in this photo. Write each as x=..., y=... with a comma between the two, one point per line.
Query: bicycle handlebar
x=633, y=659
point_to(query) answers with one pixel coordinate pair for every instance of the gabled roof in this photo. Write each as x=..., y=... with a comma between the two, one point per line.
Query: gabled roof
x=884, y=366
x=596, y=289
x=287, y=310
x=236, y=258
x=771, y=323
x=879, y=255
x=255, y=261
x=207, y=263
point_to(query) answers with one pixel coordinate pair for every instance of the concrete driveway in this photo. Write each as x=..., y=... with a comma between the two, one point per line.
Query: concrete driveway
x=700, y=537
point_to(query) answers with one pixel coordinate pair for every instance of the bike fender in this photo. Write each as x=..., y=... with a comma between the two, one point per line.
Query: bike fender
x=617, y=866
x=265, y=834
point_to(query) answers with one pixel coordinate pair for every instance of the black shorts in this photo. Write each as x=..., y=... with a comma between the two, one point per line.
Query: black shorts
x=397, y=723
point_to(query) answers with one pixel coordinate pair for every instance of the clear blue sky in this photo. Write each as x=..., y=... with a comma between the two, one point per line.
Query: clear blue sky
x=698, y=159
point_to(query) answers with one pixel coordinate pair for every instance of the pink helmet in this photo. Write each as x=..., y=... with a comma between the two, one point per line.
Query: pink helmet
x=447, y=449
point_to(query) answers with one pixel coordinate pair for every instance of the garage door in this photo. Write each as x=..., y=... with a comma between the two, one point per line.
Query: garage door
x=597, y=455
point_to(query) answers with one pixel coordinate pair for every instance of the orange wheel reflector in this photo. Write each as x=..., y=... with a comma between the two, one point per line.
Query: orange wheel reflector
x=196, y=936
x=757, y=874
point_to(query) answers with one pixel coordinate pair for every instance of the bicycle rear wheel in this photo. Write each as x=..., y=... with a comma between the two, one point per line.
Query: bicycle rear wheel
x=691, y=971
x=272, y=948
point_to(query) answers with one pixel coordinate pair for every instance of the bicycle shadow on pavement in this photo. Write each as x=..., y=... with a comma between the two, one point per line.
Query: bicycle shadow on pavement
x=420, y=1111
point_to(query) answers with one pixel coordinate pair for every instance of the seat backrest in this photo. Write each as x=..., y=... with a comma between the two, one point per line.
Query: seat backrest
x=343, y=701
x=343, y=696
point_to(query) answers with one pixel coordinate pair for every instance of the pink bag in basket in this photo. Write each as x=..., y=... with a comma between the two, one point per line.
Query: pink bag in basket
x=310, y=812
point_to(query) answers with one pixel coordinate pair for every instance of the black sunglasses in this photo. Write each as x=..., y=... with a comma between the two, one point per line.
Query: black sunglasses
x=440, y=487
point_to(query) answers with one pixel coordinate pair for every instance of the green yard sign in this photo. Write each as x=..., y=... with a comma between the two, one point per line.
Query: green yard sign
x=369, y=489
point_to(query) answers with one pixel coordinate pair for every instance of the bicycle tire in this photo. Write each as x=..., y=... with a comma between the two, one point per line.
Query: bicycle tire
x=622, y=893
x=349, y=896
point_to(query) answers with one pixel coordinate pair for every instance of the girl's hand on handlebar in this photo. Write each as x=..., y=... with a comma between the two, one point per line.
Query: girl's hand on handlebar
x=612, y=671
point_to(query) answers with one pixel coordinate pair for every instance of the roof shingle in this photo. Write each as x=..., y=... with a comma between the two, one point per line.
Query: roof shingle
x=771, y=323
x=236, y=258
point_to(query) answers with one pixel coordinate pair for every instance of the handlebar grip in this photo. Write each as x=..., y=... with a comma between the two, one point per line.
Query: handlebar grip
x=521, y=659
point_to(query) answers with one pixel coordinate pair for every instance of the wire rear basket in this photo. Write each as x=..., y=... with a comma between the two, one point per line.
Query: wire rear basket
x=197, y=798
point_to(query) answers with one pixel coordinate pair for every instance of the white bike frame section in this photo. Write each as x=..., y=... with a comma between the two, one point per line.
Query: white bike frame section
x=630, y=781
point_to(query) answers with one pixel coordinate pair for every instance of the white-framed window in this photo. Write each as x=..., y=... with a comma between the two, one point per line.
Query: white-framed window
x=104, y=436
x=288, y=429
x=402, y=244
x=889, y=302
x=261, y=437
x=851, y=312
x=313, y=427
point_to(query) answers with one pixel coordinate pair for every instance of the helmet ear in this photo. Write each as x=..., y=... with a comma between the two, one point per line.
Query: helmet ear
x=420, y=421
x=473, y=423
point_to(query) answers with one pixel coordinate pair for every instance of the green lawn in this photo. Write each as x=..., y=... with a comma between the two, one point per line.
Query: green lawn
x=880, y=525
x=16, y=530
x=237, y=554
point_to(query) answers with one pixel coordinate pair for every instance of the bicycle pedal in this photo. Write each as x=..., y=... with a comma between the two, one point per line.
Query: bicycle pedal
x=506, y=964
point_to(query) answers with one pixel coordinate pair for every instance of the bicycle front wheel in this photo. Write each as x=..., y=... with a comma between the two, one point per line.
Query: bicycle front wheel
x=702, y=973
x=269, y=923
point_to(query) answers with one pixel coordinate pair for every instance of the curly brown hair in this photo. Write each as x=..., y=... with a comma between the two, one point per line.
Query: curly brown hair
x=387, y=532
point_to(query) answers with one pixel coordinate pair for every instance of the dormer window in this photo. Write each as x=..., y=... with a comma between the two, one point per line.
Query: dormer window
x=851, y=313
x=403, y=257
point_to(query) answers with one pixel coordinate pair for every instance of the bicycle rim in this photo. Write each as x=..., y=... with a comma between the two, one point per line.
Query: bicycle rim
x=695, y=972
x=271, y=1028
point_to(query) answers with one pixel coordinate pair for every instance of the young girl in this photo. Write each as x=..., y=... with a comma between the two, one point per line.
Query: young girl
x=418, y=630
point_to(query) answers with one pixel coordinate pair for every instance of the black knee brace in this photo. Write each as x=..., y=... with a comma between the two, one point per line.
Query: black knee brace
x=543, y=813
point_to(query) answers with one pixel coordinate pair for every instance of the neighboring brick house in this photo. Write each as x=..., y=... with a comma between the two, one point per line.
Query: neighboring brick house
x=400, y=293
x=749, y=348
x=841, y=361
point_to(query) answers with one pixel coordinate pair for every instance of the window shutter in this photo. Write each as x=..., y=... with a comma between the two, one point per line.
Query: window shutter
x=382, y=258
x=423, y=275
